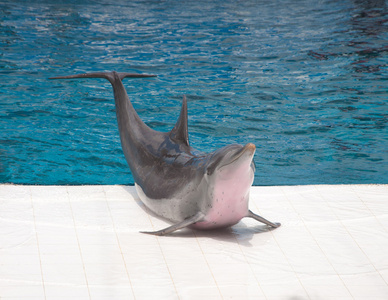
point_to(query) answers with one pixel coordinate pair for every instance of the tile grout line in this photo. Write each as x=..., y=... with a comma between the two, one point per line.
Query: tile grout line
x=118, y=242
x=367, y=207
x=378, y=221
x=271, y=231
x=164, y=258
x=168, y=268
x=250, y=266
x=281, y=249
x=247, y=261
x=358, y=245
x=258, y=210
x=339, y=276
x=37, y=242
x=207, y=263
x=79, y=246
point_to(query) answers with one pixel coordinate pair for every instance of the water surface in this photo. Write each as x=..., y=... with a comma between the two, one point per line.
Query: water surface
x=305, y=81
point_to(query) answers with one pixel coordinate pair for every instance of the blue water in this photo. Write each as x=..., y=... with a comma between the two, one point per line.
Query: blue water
x=306, y=81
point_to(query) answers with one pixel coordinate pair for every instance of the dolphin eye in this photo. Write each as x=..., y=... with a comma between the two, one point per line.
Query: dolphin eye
x=212, y=167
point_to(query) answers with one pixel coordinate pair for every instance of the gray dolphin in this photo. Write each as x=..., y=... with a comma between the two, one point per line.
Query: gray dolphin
x=178, y=183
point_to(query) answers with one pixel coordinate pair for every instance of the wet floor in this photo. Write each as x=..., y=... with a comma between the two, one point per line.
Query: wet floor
x=83, y=242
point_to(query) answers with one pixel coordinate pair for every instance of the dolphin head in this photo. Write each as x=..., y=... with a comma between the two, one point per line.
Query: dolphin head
x=230, y=173
x=229, y=176
x=231, y=161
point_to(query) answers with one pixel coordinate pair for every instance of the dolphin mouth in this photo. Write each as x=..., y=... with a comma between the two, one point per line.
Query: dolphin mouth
x=248, y=150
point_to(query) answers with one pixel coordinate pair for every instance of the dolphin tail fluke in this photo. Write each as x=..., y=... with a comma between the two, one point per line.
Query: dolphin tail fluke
x=134, y=75
x=262, y=220
x=86, y=75
x=111, y=76
x=185, y=223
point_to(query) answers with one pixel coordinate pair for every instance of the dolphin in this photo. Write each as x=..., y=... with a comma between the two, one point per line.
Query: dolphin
x=187, y=187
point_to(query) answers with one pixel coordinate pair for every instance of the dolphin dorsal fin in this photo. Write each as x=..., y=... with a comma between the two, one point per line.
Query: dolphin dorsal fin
x=180, y=132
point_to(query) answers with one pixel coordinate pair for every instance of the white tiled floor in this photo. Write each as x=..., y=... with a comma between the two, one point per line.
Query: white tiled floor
x=83, y=242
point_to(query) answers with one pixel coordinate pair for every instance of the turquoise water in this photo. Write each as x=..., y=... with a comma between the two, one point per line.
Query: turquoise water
x=306, y=81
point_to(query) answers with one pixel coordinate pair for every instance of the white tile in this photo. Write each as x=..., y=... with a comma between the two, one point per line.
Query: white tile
x=181, y=252
x=101, y=251
x=15, y=234
x=143, y=254
x=47, y=193
x=101, y=257
x=287, y=290
x=16, y=260
x=324, y=286
x=96, y=236
x=309, y=204
x=366, y=279
x=242, y=291
x=383, y=221
x=347, y=258
x=22, y=291
x=83, y=194
x=60, y=259
x=218, y=242
x=63, y=273
x=368, y=292
x=58, y=213
x=26, y=298
x=233, y=274
x=30, y=273
x=127, y=219
x=91, y=213
x=111, y=292
x=270, y=267
x=232, y=257
x=191, y=275
x=65, y=291
x=159, y=274
x=272, y=276
x=129, y=239
x=328, y=233
x=19, y=269
x=384, y=275
x=84, y=243
x=58, y=235
x=195, y=291
x=10, y=192
x=332, y=292
x=15, y=211
x=106, y=274
x=116, y=196
x=58, y=249
x=27, y=247
x=159, y=290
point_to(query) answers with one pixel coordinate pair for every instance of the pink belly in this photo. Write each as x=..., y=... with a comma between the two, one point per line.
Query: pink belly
x=230, y=205
x=229, y=196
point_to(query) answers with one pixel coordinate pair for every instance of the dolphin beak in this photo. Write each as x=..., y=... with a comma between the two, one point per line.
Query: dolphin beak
x=231, y=155
x=250, y=147
x=248, y=151
x=239, y=165
x=244, y=154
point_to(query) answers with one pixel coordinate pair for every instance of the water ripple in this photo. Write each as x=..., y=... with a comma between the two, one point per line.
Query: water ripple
x=303, y=80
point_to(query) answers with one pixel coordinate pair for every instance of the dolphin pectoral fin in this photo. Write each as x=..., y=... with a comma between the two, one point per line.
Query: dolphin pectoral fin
x=262, y=220
x=187, y=222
